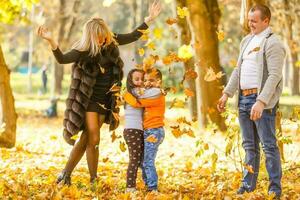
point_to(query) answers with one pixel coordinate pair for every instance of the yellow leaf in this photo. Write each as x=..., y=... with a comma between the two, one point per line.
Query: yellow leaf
x=249, y=168
x=185, y=52
x=114, y=136
x=150, y=44
x=190, y=133
x=177, y=103
x=157, y=32
x=141, y=51
x=221, y=35
x=188, y=92
x=171, y=21
x=188, y=166
x=183, y=120
x=102, y=70
x=211, y=75
x=297, y=64
x=122, y=146
x=151, y=139
x=145, y=35
x=254, y=50
x=75, y=137
x=114, y=88
x=182, y=12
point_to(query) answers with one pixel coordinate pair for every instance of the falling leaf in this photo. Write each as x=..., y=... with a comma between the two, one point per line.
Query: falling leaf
x=114, y=88
x=114, y=136
x=183, y=120
x=182, y=12
x=105, y=159
x=75, y=137
x=172, y=155
x=177, y=103
x=188, y=92
x=102, y=106
x=171, y=21
x=185, y=52
x=254, y=50
x=145, y=35
x=297, y=64
x=102, y=70
x=249, y=168
x=176, y=131
x=150, y=44
x=141, y=51
x=233, y=63
x=188, y=166
x=157, y=32
x=211, y=75
x=221, y=35
x=122, y=146
x=151, y=139
x=190, y=133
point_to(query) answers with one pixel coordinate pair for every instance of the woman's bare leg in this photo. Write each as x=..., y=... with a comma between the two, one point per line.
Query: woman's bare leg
x=94, y=122
x=76, y=153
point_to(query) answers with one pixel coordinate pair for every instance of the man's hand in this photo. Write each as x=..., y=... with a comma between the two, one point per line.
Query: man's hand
x=222, y=103
x=257, y=110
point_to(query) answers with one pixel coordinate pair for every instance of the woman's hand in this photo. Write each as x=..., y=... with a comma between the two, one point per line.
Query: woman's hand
x=154, y=11
x=44, y=33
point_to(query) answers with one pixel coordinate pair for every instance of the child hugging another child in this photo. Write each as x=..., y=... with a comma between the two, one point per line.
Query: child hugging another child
x=144, y=132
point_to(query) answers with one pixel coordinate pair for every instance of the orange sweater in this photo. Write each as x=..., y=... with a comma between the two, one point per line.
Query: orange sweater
x=154, y=109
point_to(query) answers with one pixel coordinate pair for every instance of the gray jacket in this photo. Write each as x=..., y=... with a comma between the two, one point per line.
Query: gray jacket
x=271, y=59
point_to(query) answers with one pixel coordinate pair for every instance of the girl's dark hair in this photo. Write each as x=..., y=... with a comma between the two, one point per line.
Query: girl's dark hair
x=129, y=82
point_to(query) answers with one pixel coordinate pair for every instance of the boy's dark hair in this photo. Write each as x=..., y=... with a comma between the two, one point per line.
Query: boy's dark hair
x=155, y=72
x=264, y=10
x=129, y=82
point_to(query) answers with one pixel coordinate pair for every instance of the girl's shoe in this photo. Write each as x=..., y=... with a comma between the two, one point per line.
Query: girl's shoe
x=65, y=177
x=130, y=190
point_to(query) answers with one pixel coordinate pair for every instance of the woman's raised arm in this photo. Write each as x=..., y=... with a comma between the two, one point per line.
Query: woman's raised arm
x=154, y=11
x=61, y=58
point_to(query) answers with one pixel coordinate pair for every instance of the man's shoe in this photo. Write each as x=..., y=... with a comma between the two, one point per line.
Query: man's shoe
x=241, y=190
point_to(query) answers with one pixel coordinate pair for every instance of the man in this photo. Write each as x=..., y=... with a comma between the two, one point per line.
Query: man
x=258, y=80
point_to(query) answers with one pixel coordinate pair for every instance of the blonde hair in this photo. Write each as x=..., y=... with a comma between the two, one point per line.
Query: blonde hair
x=92, y=30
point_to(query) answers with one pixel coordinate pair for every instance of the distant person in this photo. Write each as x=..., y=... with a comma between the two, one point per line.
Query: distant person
x=44, y=78
x=52, y=110
x=97, y=68
x=258, y=80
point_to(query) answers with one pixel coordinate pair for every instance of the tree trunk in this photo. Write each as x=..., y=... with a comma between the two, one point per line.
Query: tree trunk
x=58, y=69
x=8, y=116
x=204, y=16
x=134, y=24
x=186, y=38
x=247, y=4
x=292, y=44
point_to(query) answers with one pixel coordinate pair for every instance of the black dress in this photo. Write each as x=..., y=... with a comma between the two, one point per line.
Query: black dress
x=100, y=100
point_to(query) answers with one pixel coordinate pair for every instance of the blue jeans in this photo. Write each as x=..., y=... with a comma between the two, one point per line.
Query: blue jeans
x=253, y=132
x=150, y=150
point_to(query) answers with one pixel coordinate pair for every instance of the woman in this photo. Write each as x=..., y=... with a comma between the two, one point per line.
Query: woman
x=96, y=77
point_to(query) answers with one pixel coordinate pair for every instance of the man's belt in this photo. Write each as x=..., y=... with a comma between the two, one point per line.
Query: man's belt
x=247, y=92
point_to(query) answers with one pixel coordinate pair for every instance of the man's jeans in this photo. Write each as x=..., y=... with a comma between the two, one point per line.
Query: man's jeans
x=150, y=151
x=253, y=132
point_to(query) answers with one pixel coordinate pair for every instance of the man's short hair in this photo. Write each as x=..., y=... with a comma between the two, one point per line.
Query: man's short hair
x=264, y=10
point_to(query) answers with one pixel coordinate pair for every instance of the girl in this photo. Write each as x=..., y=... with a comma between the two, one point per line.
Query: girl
x=133, y=128
x=97, y=68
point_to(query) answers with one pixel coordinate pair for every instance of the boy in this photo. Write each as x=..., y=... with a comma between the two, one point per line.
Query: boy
x=152, y=123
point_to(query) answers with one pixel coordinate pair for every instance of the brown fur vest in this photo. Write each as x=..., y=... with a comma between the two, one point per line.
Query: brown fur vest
x=83, y=79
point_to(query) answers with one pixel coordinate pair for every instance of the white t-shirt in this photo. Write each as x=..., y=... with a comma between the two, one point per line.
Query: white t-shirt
x=249, y=65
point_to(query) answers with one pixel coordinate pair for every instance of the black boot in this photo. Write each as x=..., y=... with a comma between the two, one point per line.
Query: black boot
x=65, y=177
